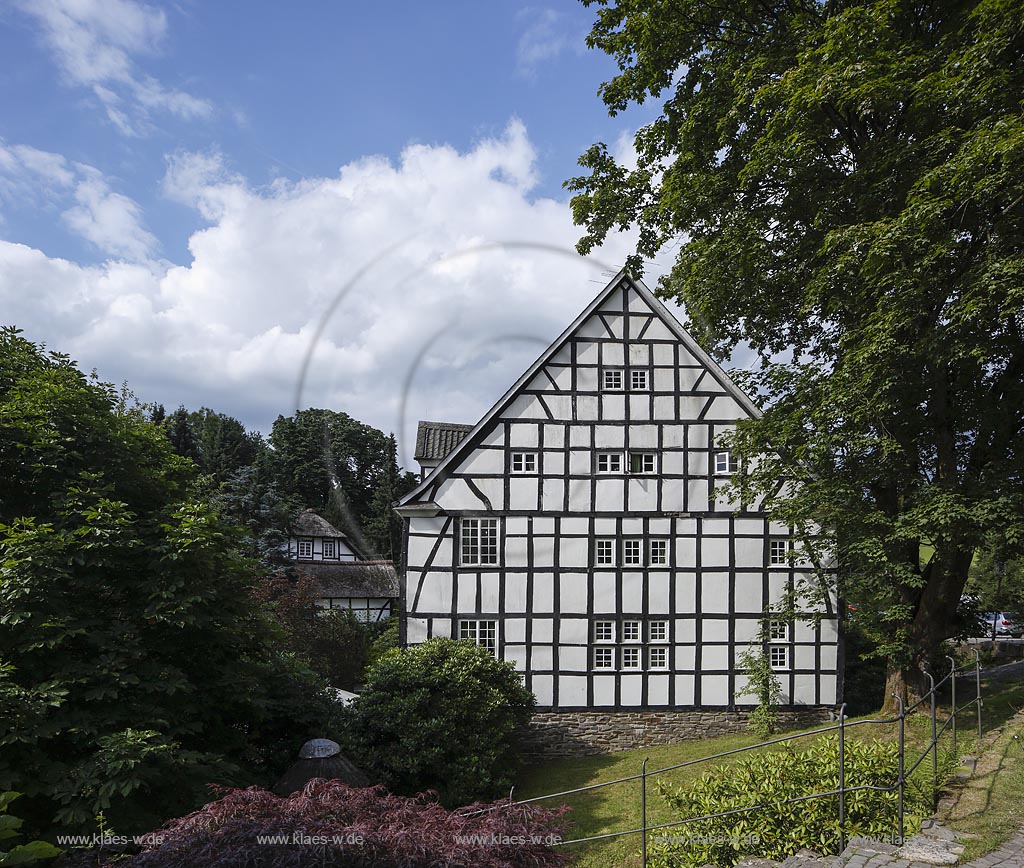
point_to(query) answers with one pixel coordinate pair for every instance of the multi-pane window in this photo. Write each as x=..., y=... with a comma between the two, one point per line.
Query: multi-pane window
x=604, y=658
x=657, y=658
x=479, y=541
x=631, y=657
x=604, y=631
x=659, y=552
x=725, y=463
x=630, y=631
x=329, y=548
x=778, y=552
x=605, y=552
x=641, y=462
x=631, y=552
x=483, y=633
x=778, y=631
x=609, y=462
x=305, y=548
x=524, y=462
x=657, y=631
x=612, y=380
x=638, y=380
x=778, y=656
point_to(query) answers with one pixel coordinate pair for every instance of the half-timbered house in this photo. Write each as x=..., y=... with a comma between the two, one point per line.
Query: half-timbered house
x=579, y=530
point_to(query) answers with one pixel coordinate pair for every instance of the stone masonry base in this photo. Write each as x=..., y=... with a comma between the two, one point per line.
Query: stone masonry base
x=582, y=733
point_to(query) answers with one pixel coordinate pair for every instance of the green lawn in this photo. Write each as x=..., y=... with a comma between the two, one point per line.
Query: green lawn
x=617, y=807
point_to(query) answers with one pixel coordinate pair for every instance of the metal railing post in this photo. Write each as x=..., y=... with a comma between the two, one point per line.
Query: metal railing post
x=842, y=777
x=900, y=782
x=643, y=813
x=935, y=741
x=977, y=685
x=952, y=690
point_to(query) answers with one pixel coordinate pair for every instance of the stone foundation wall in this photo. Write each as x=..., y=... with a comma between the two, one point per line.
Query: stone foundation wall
x=583, y=733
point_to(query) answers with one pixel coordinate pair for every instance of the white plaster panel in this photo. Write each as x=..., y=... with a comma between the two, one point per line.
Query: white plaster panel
x=829, y=695
x=609, y=437
x=803, y=657
x=559, y=405
x=664, y=378
x=523, y=435
x=714, y=690
x=829, y=657
x=686, y=596
x=716, y=526
x=543, y=525
x=632, y=526
x=639, y=354
x=643, y=436
x=586, y=408
x=604, y=593
x=586, y=379
x=714, y=592
x=495, y=436
x=572, y=658
x=453, y=493
x=543, y=593
x=697, y=494
x=579, y=495
x=416, y=630
x=658, y=593
x=660, y=526
x=672, y=463
x=684, y=690
x=714, y=630
x=489, y=592
x=663, y=354
x=632, y=689
x=466, y=591
x=542, y=689
x=672, y=436
x=604, y=690
x=562, y=375
x=632, y=590
x=591, y=328
x=563, y=356
x=643, y=493
x=483, y=461
x=614, y=355
x=664, y=408
x=690, y=406
x=554, y=435
x=431, y=524
x=553, y=494
x=516, y=655
x=745, y=693
x=698, y=437
x=636, y=325
x=543, y=551
x=573, y=630
x=516, y=524
x=686, y=658
x=803, y=689
x=522, y=492
x=613, y=406
x=523, y=407
x=579, y=436
x=573, y=552
x=686, y=630
x=749, y=553
x=419, y=550
x=725, y=408
x=752, y=526
x=640, y=407
x=697, y=462
x=572, y=690
x=515, y=551
x=777, y=584
x=441, y=627
x=580, y=462
x=672, y=494
x=553, y=463
x=575, y=524
x=714, y=657
x=714, y=552
x=605, y=526
x=586, y=352
x=436, y=593
x=609, y=493
x=829, y=630
x=748, y=593
x=747, y=630
x=572, y=595
x=515, y=593
x=543, y=630
x=688, y=376
x=543, y=655
x=657, y=689
x=615, y=325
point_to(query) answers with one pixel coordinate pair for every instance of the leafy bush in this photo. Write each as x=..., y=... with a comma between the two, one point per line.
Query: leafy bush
x=20, y=854
x=778, y=830
x=360, y=828
x=442, y=715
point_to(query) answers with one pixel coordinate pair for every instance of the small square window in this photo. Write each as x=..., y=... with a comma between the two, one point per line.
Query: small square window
x=630, y=631
x=605, y=553
x=725, y=464
x=657, y=658
x=778, y=552
x=778, y=657
x=657, y=631
x=609, y=462
x=604, y=658
x=659, y=552
x=604, y=631
x=612, y=379
x=638, y=381
x=631, y=658
x=305, y=548
x=524, y=462
x=329, y=548
x=778, y=631
x=631, y=552
x=641, y=462
x=483, y=633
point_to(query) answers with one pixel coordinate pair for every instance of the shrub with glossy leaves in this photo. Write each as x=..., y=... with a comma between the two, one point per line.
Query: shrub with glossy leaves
x=443, y=715
x=329, y=824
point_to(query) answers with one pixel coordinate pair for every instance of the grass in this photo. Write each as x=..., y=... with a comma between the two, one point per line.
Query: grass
x=617, y=808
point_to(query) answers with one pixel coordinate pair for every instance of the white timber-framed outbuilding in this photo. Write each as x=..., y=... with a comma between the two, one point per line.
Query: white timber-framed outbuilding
x=579, y=531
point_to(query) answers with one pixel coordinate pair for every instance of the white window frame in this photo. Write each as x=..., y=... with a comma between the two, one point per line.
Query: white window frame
x=778, y=631
x=600, y=627
x=647, y=460
x=632, y=631
x=778, y=553
x=301, y=545
x=632, y=553
x=524, y=462
x=657, y=631
x=482, y=632
x=330, y=549
x=778, y=657
x=612, y=379
x=629, y=654
x=609, y=462
x=639, y=380
x=654, y=654
x=725, y=463
x=657, y=552
x=604, y=657
x=482, y=536
x=604, y=552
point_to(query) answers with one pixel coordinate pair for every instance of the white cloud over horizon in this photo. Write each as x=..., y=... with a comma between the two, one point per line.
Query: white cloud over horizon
x=441, y=268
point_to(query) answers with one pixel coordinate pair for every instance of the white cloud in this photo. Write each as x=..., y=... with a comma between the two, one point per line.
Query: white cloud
x=109, y=220
x=442, y=250
x=544, y=38
x=94, y=42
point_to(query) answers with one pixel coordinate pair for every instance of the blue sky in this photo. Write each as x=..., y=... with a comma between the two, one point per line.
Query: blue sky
x=185, y=187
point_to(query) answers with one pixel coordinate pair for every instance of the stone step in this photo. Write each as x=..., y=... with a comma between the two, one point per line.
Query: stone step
x=807, y=859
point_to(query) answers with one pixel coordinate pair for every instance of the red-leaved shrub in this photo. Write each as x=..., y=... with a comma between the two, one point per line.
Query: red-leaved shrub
x=331, y=824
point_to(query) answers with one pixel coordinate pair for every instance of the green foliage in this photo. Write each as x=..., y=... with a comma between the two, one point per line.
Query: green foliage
x=384, y=527
x=780, y=829
x=846, y=184
x=21, y=854
x=763, y=683
x=135, y=667
x=441, y=715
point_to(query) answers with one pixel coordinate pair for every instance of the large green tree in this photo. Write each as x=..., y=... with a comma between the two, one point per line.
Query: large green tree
x=135, y=666
x=845, y=183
